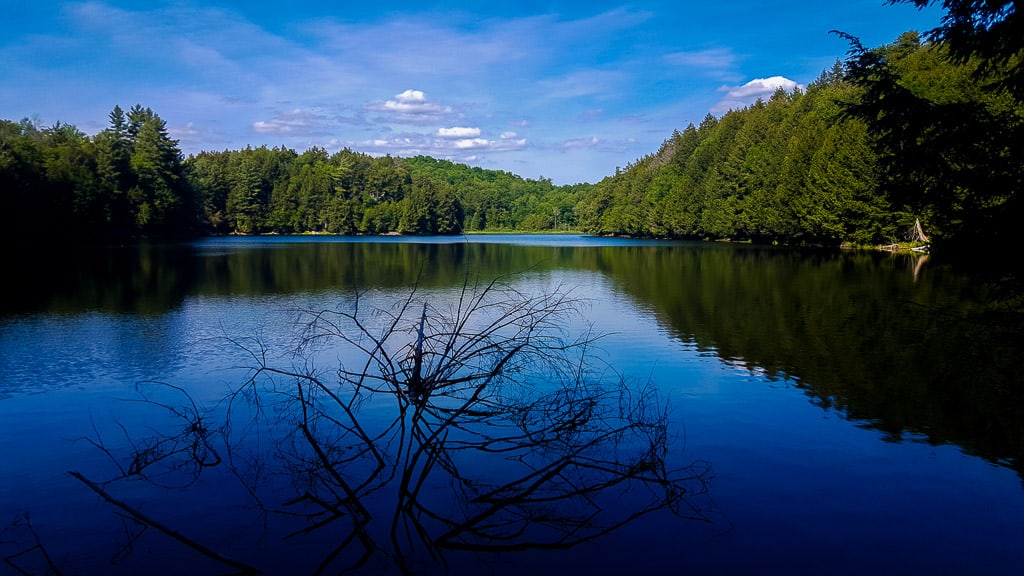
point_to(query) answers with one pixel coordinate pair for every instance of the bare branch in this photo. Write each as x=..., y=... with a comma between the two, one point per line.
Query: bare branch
x=440, y=392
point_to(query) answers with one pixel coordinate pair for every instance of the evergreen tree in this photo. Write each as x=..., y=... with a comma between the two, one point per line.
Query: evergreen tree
x=161, y=197
x=114, y=173
x=244, y=204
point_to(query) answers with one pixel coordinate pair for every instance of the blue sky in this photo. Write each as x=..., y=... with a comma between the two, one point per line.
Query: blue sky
x=562, y=90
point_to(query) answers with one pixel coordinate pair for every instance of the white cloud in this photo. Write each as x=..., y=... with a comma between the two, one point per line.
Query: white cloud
x=508, y=135
x=275, y=126
x=761, y=87
x=411, y=96
x=467, y=143
x=458, y=132
x=403, y=145
x=740, y=96
x=483, y=144
x=411, y=107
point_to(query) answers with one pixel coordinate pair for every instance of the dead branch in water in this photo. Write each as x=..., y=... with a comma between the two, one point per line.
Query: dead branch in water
x=489, y=394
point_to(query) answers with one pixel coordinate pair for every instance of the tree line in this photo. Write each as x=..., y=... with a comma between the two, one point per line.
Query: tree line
x=261, y=190
x=790, y=169
x=131, y=181
x=921, y=130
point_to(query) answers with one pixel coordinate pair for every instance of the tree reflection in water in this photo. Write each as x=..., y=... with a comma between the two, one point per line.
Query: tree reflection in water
x=502, y=431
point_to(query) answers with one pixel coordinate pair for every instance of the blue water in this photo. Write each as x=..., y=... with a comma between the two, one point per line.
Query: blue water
x=793, y=488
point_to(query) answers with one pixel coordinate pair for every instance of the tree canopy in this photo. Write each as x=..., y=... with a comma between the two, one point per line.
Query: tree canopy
x=127, y=182
x=789, y=170
x=991, y=31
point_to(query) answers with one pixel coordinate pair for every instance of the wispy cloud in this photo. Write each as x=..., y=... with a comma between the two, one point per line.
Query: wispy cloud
x=438, y=47
x=578, y=143
x=604, y=144
x=718, y=63
x=293, y=122
x=187, y=131
x=582, y=83
x=308, y=122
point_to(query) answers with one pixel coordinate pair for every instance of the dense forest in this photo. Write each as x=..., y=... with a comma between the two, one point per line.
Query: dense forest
x=895, y=135
x=792, y=169
x=131, y=181
x=921, y=130
x=279, y=191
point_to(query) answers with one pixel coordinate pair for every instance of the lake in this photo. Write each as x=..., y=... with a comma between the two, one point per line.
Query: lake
x=504, y=404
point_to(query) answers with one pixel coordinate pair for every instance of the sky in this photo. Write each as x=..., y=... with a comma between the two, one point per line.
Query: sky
x=543, y=89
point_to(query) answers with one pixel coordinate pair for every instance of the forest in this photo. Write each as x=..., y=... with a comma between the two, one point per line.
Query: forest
x=131, y=182
x=922, y=130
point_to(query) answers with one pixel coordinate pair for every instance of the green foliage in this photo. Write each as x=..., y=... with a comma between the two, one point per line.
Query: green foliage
x=985, y=31
x=431, y=208
x=256, y=191
x=494, y=200
x=781, y=170
x=22, y=178
x=946, y=129
x=787, y=170
x=161, y=198
x=127, y=182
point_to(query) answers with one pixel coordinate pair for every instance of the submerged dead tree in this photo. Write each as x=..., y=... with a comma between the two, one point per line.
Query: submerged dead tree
x=470, y=422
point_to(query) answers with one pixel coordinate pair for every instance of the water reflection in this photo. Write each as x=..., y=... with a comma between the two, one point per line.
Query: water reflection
x=920, y=354
x=146, y=279
x=914, y=349
x=477, y=423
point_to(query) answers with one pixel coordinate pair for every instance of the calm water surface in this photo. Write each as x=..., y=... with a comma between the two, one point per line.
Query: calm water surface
x=843, y=413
